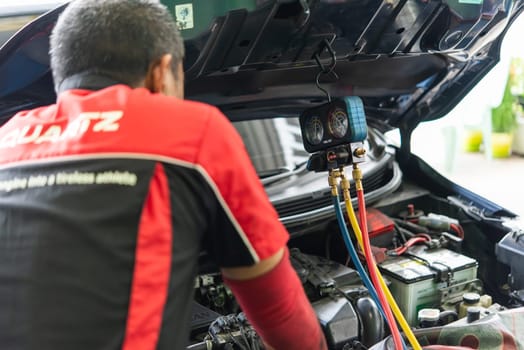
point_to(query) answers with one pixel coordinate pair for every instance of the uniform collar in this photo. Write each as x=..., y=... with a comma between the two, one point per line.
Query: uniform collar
x=86, y=81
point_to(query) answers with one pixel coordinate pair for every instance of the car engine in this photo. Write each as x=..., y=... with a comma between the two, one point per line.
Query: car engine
x=445, y=260
x=424, y=258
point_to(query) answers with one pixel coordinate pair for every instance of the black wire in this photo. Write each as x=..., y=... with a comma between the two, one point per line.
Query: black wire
x=328, y=245
x=254, y=341
x=402, y=232
x=243, y=334
x=236, y=341
x=411, y=226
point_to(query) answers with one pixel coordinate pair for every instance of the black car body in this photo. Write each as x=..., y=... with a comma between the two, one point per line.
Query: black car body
x=410, y=61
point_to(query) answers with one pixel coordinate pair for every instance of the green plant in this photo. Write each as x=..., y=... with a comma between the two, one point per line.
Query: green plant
x=503, y=118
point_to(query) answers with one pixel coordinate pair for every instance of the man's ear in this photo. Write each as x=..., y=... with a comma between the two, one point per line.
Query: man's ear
x=158, y=74
x=179, y=81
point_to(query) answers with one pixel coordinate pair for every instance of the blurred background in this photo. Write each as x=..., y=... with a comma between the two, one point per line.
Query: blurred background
x=480, y=144
x=14, y=14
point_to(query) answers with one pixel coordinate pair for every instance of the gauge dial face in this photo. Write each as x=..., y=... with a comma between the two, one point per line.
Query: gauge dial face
x=314, y=130
x=338, y=123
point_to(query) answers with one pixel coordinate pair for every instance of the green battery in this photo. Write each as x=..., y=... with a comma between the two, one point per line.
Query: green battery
x=428, y=278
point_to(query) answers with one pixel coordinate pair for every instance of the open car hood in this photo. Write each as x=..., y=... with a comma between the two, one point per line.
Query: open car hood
x=410, y=61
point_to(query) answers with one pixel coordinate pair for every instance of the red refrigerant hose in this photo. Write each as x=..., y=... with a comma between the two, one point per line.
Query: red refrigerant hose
x=395, y=332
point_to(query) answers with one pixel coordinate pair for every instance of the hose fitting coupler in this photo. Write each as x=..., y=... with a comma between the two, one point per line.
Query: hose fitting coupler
x=332, y=180
x=344, y=184
x=357, y=176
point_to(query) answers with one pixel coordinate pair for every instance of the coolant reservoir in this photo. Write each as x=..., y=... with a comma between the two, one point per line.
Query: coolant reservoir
x=468, y=300
x=475, y=300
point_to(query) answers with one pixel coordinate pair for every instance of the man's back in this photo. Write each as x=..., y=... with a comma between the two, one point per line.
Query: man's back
x=105, y=201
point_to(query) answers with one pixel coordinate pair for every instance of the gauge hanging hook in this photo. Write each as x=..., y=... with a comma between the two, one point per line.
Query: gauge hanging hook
x=325, y=70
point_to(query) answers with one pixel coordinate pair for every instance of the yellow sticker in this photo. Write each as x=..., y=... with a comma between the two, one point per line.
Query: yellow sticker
x=410, y=263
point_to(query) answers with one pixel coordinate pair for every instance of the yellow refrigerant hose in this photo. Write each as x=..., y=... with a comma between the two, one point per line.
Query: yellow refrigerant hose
x=358, y=233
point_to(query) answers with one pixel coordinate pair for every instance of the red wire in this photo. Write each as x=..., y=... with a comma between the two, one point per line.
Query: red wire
x=373, y=273
x=425, y=235
x=400, y=250
x=458, y=230
x=411, y=242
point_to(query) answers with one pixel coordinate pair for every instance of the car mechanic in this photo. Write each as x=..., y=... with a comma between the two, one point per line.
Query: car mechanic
x=105, y=264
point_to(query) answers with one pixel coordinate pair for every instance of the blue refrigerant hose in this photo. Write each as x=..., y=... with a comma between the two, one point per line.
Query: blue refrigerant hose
x=353, y=254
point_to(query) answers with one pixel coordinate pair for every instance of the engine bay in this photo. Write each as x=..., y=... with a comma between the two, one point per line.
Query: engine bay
x=441, y=264
x=431, y=260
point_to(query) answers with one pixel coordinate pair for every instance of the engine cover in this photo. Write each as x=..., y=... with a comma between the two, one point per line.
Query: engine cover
x=510, y=251
x=340, y=301
x=339, y=321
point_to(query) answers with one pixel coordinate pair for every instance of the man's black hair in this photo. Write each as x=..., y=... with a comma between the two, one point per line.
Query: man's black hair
x=118, y=39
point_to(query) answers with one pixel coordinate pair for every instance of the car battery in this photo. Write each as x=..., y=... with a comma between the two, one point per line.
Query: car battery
x=423, y=278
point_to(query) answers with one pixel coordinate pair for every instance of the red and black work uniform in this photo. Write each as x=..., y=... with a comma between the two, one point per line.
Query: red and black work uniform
x=106, y=200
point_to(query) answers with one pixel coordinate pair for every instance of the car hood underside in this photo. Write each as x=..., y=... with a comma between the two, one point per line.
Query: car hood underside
x=410, y=61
